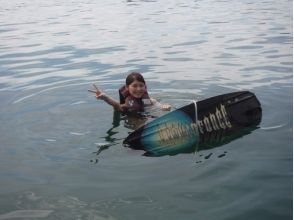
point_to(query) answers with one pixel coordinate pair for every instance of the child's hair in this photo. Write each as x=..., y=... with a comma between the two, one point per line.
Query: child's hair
x=134, y=76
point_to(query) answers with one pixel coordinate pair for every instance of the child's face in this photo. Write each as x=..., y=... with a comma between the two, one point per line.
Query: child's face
x=137, y=89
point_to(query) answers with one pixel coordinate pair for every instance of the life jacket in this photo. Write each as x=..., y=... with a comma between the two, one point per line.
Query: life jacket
x=133, y=104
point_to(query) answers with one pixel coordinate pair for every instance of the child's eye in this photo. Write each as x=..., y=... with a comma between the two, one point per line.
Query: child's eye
x=138, y=86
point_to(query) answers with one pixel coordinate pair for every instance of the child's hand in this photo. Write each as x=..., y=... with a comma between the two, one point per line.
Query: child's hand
x=165, y=107
x=98, y=92
x=100, y=95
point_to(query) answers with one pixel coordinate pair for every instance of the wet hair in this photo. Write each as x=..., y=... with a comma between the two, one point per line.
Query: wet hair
x=134, y=76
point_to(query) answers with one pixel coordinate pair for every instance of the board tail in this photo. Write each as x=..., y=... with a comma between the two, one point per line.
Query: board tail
x=224, y=118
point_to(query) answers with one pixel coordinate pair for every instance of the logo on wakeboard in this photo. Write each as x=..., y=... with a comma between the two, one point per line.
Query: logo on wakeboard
x=214, y=121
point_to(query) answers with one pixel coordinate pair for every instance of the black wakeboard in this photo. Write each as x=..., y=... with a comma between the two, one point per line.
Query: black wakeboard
x=199, y=125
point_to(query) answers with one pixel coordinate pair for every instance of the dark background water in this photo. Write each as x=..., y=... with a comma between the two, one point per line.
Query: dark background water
x=51, y=52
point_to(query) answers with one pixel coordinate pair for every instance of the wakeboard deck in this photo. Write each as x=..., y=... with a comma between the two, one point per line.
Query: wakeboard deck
x=202, y=124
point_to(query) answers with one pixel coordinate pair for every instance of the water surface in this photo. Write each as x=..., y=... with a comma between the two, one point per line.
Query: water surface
x=51, y=129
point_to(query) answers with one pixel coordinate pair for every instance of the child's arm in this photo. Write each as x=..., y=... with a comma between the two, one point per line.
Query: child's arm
x=109, y=100
x=100, y=95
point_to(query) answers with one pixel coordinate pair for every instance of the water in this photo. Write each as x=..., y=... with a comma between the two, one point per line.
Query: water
x=51, y=130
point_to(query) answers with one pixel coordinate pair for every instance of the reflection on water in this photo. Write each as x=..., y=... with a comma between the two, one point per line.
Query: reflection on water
x=134, y=122
x=131, y=122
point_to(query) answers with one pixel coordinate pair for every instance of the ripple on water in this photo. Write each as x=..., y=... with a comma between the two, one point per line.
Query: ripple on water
x=30, y=205
x=276, y=69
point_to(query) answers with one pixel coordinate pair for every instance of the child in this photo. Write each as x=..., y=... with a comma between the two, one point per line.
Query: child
x=133, y=96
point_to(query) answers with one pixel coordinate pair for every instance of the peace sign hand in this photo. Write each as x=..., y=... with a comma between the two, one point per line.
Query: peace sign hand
x=98, y=92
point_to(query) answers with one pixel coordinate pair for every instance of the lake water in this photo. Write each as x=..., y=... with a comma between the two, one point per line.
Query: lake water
x=51, y=129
